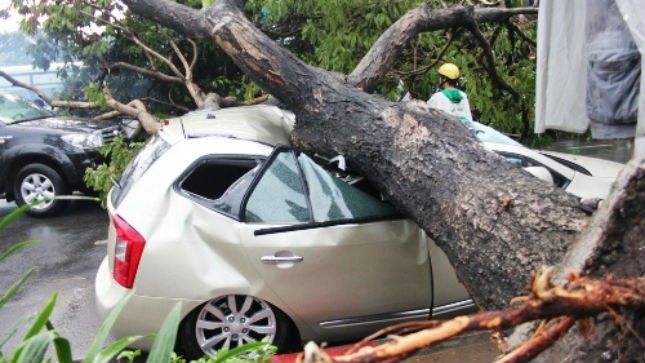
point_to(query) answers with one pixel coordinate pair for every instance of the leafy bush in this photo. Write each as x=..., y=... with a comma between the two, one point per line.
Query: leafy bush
x=118, y=154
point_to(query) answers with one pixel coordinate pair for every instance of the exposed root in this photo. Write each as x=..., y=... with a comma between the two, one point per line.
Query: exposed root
x=539, y=342
x=578, y=299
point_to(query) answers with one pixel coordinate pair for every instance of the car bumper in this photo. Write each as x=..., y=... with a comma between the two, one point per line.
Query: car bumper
x=79, y=161
x=141, y=316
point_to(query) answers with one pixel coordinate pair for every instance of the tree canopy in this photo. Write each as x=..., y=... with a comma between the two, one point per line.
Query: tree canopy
x=136, y=51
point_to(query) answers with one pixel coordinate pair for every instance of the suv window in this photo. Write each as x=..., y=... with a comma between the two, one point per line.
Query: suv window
x=282, y=196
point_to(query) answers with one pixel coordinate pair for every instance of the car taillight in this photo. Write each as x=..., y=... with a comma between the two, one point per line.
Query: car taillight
x=127, y=252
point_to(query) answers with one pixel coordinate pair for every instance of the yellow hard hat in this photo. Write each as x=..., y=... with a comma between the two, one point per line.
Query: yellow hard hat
x=449, y=70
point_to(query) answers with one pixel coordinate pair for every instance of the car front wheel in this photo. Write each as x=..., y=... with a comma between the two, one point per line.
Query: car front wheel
x=40, y=183
x=230, y=321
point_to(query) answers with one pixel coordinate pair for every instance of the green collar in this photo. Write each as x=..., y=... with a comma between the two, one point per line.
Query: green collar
x=453, y=94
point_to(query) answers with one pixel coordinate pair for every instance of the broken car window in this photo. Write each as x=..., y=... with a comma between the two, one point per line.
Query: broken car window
x=221, y=183
x=333, y=199
x=279, y=196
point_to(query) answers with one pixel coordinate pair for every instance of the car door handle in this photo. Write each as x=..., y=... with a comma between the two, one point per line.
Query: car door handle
x=276, y=260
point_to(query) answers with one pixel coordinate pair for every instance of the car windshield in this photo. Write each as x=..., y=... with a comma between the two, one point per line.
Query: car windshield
x=485, y=133
x=14, y=109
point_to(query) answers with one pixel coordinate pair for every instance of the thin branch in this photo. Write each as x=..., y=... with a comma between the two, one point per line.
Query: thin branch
x=433, y=63
x=187, y=70
x=471, y=24
x=195, y=54
x=523, y=36
x=144, y=71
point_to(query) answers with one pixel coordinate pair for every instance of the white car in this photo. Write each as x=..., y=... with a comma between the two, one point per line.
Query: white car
x=582, y=176
x=260, y=241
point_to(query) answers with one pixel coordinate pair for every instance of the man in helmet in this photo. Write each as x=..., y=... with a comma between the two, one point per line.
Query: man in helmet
x=449, y=98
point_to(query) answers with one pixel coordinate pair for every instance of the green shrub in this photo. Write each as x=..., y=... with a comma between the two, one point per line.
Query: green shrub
x=118, y=154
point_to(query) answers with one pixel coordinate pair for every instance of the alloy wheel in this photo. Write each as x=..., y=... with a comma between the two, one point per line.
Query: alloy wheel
x=234, y=320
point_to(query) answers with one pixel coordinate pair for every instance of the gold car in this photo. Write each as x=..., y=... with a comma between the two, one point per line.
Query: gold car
x=260, y=241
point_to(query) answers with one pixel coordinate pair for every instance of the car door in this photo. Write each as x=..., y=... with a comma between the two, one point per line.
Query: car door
x=339, y=258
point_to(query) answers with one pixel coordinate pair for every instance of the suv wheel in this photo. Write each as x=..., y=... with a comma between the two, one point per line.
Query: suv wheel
x=230, y=321
x=38, y=182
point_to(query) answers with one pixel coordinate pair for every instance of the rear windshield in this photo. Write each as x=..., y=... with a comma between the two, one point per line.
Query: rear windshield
x=152, y=151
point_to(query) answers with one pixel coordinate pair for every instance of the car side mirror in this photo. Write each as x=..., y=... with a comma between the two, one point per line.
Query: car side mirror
x=540, y=172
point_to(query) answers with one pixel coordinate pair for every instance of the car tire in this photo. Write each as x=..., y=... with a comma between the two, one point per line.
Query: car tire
x=229, y=321
x=35, y=182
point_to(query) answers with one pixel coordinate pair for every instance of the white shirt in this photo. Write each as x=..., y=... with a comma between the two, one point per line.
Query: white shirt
x=460, y=109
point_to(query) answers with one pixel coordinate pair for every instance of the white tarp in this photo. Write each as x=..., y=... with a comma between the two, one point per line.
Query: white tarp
x=565, y=50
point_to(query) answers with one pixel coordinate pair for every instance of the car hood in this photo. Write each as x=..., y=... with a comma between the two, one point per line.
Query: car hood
x=599, y=168
x=68, y=123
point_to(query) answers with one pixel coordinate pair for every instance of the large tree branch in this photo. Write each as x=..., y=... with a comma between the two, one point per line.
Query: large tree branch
x=389, y=47
x=135, y=109
x=49, y=100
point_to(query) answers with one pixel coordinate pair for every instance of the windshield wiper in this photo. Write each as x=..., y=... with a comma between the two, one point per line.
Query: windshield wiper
x=30, y=119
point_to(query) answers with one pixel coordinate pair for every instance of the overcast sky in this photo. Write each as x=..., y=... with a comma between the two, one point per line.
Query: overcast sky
x=8, y=25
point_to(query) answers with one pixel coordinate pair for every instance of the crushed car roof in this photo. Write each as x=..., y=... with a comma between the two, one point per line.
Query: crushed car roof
x=267, y=124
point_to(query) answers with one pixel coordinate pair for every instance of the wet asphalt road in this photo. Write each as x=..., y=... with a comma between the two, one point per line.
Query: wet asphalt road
x=67, y=255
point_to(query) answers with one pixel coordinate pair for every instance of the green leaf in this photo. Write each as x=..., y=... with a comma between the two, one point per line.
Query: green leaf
x=237, y=351
x=12, y=290
x=103, y=332
x=14, y=329
x=164, y=343
x=13, y=215
x=42, y=318
x=15, y=248
x=33, y=350
x=63, y=350
x=106, y=355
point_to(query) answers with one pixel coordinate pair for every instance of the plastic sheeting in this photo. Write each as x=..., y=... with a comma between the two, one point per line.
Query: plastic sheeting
x=633, y=14
x=588, y=68
x=613, y=72
x=560, y=83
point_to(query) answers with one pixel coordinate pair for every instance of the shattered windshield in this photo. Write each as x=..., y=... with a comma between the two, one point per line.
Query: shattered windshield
x=14, y=109
x=485, y=133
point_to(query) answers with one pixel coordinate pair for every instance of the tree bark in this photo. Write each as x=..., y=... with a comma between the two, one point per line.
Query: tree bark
x=496, y=223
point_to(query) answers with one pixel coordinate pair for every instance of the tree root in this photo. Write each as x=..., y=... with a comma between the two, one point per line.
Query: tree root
x=577, y=300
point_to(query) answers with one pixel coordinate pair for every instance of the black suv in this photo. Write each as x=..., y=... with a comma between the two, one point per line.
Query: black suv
x=43, y=155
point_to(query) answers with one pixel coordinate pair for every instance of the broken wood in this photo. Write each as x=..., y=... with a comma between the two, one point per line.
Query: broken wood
x=580, y=298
